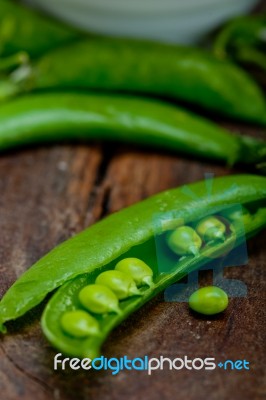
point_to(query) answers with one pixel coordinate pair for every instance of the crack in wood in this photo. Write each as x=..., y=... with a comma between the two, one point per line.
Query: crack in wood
x=101, y=191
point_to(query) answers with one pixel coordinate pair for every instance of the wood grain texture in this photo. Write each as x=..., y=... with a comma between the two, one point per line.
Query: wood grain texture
x=48, y=194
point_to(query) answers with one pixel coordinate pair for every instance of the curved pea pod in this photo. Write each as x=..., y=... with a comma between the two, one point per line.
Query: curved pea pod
x=127, y=233
x=243, y=40
x=90, y=347
x=56, y=117
x=114, y=64
x=22, y=29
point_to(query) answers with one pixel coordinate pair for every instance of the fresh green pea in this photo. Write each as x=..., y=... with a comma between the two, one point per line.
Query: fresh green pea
x=184, y=241
x=79, y=324
x=208, y=300
x=99, y=299
x=137, y=269
x=238, y=214
x=119, y=282
x=211, y=228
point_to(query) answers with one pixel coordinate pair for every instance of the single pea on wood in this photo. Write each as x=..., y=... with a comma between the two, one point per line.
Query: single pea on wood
x=119, y=282
x=79, y=324
x=140, y=272
x=209, y=300
x=99, y=299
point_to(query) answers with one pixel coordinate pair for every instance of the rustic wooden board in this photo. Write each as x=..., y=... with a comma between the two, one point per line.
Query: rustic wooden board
x=48, y=194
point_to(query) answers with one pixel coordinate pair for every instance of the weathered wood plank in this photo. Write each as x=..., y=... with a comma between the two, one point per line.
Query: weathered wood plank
x=51, y=193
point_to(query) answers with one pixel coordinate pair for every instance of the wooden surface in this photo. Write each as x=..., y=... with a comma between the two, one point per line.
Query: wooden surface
x=48, y=194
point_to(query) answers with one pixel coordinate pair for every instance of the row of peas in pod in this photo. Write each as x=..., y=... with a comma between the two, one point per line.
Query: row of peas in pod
x=188, y=240
x=129, y=274
x=103, y=296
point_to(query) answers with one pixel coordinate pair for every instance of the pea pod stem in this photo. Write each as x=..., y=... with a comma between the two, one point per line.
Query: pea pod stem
x=13, y=61
x=116, y=235
x=113, y=64
x=53, y=117
x=23, y=29
x=243, y=40
x=252, y=56
x=65, y=297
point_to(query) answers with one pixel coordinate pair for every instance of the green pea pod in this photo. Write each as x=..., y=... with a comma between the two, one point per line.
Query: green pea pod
x=243, y=40
x=66, y=297
x=176, y=72
x=54, y=117
x=128, y=233
x=22, y=29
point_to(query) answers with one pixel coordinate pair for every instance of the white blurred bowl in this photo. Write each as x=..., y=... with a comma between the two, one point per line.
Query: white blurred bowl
x=180, y=21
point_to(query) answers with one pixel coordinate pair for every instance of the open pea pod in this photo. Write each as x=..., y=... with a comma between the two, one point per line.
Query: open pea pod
x=114, y=64
x=67, y=297
x=110, y=239
x=43, y=118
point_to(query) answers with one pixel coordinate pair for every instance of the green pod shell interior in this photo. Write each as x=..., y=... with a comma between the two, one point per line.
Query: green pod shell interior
x=238, y=215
